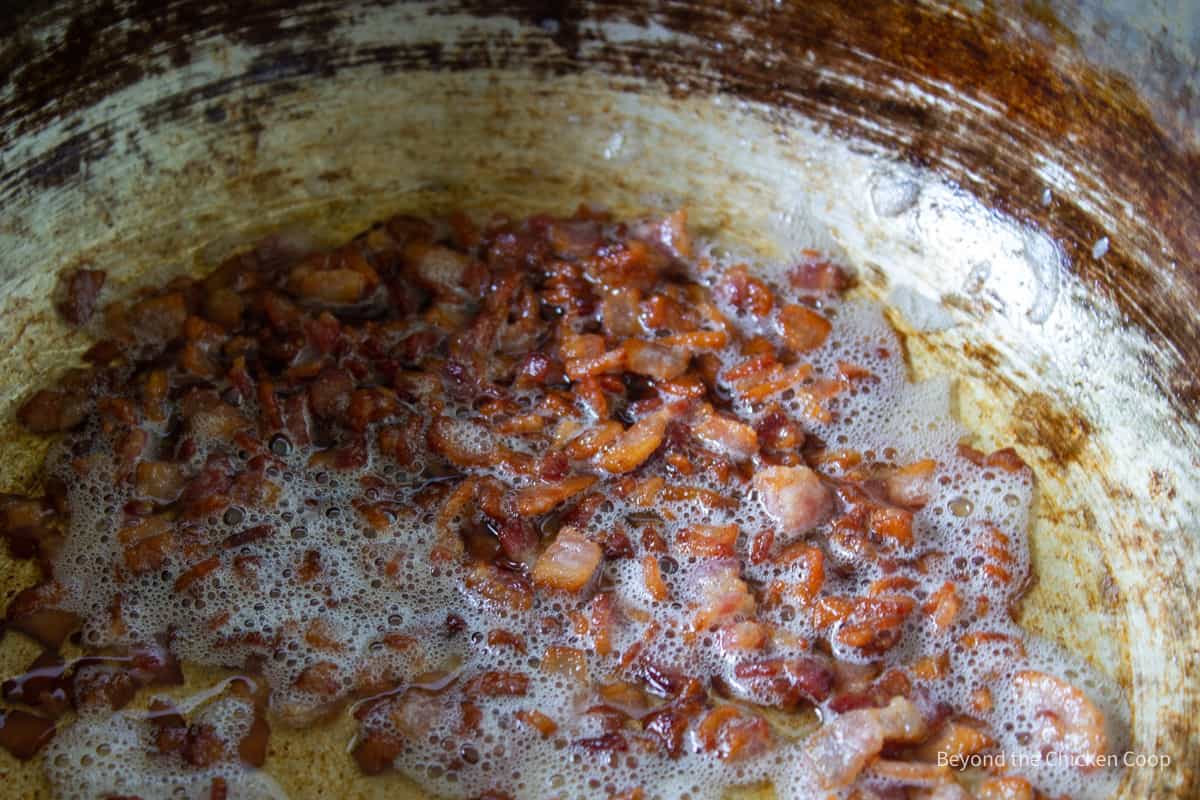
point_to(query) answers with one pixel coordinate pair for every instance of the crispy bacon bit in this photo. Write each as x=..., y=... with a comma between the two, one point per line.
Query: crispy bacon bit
x=723, y=594
x=709, y=541
x=803, y=328
x=545, y=497
x=463, y=443
x=817, y=274
x=50, y=412
x=841, y=749
x=743, y=636
x=569, y=563
x=538, y=721
x=160, y=481
x=956, y=739
x=329, y=394
x=80, y=289
x=159, y=319
x=729, y=437
x=794, y=496
x=670, y=233
x=23, y=734
x=656, y=587
x=633, y=447
x=785, y=682
x=567, y=661
x=745, y=292
x=30, y=614
x=655, y=360
x=894, y=524
x=1064, y=720
x=943, y=606
x=910, y=486
x=733, y=735
x=874, y=623
x=438, y=268
x=329, y=285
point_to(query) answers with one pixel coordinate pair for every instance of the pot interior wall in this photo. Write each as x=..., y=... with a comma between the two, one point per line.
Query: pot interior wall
x=1041, y=362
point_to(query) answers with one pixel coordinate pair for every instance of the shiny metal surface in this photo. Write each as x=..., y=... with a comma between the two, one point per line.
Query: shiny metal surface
x=1034, y=221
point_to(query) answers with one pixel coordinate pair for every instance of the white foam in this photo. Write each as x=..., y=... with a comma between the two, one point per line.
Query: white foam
x=374, y=585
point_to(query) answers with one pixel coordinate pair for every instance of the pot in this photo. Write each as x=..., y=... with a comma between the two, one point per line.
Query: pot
x=1030, y=214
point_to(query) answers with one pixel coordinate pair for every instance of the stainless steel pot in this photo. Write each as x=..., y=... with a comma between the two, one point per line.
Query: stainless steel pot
x=1032, y=216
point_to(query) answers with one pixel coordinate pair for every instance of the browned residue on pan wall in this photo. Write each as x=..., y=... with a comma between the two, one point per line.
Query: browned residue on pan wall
x=1040, y=422
x=841, y=65
x=1000, y=103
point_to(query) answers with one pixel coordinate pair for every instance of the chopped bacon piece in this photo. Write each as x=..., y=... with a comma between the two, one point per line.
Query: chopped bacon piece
x=159, y=319
x=745, y=292
x=656, y=587
x=161, y=481
x=633, y=447
x=1064, y=720
x=51, y=411
x=803, y=328
x=816, y=274
x=873, y=624
x=894, y=524
x=464, y=443
x=500, y=586
x=569, y=562
x=655, y=360
x=81, y=288
x=795, y=497
x=785, y=682
x=722, y=593
x=568, y=661
x=709, y=541
x=943, y=606
x=727, y=436
x=733, y=735
x=911, y=486
x=742, y=636
x=28, y=614
x=23, y=734
x=376, y=750
x=955, y=739
x=542, y=498
x=538, y=721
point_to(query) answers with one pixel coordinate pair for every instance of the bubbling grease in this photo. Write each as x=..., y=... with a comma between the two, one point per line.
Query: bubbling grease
x=376, y=588
x=105, y=754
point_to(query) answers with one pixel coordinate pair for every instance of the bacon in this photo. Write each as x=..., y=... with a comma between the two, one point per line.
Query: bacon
x=729, y=437
x=803, y=329
x=785, y=682
x=633, y=447
x=733, y=735
x=23, y=734
x=52, y=411
x=910, y=486
x=709, y=541
x=542, y=498
x=329, y=394
x=569, y=563
x=81, y=288
x=654, y=360
x=723, y=595
x=795, y=497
